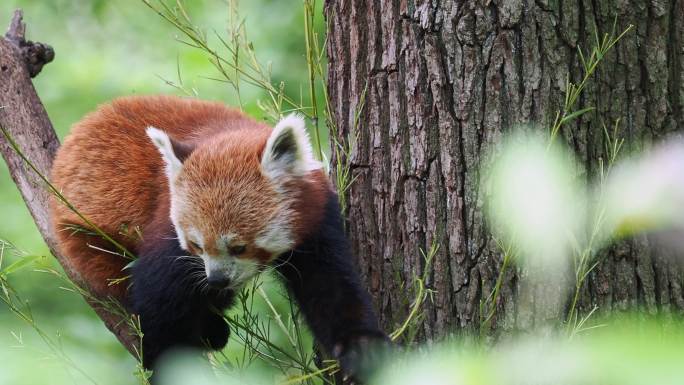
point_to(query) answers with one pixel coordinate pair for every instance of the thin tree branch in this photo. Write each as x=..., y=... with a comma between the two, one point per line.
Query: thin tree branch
x=24, y=119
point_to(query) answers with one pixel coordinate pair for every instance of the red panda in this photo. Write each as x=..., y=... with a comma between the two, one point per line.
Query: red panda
x=206, y=197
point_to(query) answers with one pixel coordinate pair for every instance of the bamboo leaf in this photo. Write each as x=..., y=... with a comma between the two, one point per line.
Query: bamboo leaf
x=21, y=263
x=576, y=114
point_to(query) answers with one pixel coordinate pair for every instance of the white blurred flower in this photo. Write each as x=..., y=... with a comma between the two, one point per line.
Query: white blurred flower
x=534, y=198
x=647, y=193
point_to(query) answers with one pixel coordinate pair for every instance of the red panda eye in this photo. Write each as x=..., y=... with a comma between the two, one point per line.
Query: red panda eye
x=195, y=246
x=237, y=250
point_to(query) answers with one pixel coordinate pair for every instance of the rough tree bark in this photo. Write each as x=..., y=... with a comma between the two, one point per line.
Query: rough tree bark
x=24, y=118
x=442, y=81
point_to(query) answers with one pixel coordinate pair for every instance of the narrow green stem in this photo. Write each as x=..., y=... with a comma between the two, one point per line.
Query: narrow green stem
x=308, y=38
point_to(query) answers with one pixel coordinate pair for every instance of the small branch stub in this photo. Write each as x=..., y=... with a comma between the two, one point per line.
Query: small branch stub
x=35, y=54
x=17, y=29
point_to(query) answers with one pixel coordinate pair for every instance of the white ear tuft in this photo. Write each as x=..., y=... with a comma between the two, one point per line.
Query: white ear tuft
x=288, y=150
x=163, y=143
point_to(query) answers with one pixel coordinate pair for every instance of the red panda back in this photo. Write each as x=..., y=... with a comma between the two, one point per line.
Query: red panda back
x=108, y=169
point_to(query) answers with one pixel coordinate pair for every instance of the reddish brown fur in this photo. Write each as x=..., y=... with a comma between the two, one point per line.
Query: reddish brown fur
x=224, y=169
x=308, y=207
x=113, y=174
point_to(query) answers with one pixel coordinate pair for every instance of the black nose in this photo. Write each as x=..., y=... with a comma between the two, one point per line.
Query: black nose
x=218, y=281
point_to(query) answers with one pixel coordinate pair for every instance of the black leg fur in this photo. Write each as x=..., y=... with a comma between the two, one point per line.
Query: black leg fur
x=321, y=275
x=173, y=311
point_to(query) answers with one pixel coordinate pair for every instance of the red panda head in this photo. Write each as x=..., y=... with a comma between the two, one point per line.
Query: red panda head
x=233, y=195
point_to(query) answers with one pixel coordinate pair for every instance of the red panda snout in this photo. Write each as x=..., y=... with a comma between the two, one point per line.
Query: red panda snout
x=228, y=271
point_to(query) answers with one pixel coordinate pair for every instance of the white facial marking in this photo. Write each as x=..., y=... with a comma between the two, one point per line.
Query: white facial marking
x=178, y=204
x=195, y=236
x=288, y=151
x=276, y=237
x=224, y=241
x=172, y=168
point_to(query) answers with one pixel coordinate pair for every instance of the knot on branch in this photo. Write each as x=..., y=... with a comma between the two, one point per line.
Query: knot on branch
x=35, y=54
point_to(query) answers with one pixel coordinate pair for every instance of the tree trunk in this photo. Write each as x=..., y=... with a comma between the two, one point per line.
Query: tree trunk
x=443, y=80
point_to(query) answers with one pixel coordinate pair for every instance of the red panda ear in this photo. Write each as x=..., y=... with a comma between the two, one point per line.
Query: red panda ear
x=288, y=150
x=181, y=149
x=173, y=153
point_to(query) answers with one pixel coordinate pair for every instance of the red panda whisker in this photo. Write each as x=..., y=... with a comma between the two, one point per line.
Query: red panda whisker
x=204, y=287
x=201, y=286
x=200, y=274
x=190, y=258
x=282, y=263
x=197, y=274
x=196, y=277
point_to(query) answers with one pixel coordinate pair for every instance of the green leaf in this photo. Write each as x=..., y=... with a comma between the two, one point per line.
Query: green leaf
x=576, y=114
x=21, y=263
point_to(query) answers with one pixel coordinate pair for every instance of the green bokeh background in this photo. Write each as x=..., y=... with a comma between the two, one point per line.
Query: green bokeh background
x=106, y=49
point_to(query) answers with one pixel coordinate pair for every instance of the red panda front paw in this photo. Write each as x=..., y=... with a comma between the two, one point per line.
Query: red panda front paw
x=215, y=331
x=360, y=355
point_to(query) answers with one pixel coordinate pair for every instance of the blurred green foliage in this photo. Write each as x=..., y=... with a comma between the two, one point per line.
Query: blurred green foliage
x=106, y=49
x=634, y=350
